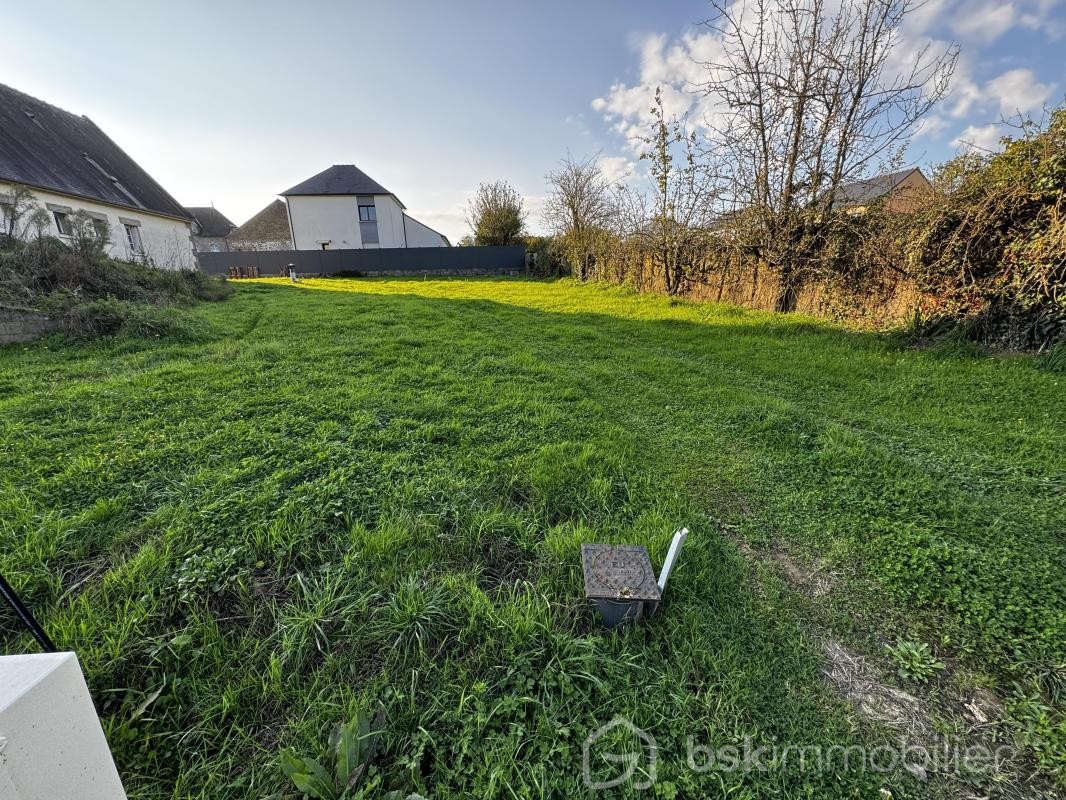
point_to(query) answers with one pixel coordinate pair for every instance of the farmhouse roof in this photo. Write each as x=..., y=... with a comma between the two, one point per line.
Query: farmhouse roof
x=48, y=148
x=269, y=225
x=864, y=192
x=340, y=179
x=212, y=222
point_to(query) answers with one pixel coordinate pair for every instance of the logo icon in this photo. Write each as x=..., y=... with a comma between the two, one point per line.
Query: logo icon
x=629, y=762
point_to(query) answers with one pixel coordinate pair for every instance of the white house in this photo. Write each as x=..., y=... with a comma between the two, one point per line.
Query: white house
x=343, y=208
x=69, y=165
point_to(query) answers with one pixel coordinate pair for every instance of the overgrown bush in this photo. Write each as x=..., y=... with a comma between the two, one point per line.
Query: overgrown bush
x=989, y=249
x=31, y=274
x=982, y=256
x=98, y=296
x=545, y=257
x=113, y=317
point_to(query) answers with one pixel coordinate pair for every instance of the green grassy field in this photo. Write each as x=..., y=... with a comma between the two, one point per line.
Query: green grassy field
x=356, y=492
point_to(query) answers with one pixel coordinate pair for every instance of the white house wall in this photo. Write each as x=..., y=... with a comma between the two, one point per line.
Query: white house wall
x=167, y=242
x=419, y=235
x=390, y=221
x=316, y=219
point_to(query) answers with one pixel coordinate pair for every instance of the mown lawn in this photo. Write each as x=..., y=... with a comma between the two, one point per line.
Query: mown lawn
x=364, y=491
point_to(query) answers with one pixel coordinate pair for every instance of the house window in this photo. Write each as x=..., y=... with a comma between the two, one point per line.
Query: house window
x=100, y=227
x=7, y=216
x=62, y=223
x=133, y=238
x=368, y=213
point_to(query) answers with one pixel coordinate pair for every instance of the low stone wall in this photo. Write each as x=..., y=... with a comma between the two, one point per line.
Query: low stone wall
x=23, y=324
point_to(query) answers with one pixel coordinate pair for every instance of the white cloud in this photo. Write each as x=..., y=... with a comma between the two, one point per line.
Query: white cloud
x=979, y=137
x=965, y=95
x=451, y=223
x=615, y=168
x=1037, y=16
x=534, y=208
x=926, y=17
x=1017, y=91
x=984, y=21
x=677, y=69
x=932, y=125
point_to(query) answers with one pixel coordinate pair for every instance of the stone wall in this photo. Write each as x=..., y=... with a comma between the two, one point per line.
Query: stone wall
x=22, y=324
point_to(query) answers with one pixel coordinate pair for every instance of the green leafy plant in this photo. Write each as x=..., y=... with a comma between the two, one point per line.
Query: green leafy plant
x=351, y=748
x=914, y=661
x=1054, y=360
x=202, y=574
x=1039, y=726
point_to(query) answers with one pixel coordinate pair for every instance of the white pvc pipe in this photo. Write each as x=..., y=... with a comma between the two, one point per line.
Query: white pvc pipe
x=671, y=557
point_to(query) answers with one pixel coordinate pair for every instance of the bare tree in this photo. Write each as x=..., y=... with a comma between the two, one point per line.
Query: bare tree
x=17, y=211
x=579, y=209
x=681, y=206
x=810, y=100
x=89, y=235
x=39, y=221
x=496, y=214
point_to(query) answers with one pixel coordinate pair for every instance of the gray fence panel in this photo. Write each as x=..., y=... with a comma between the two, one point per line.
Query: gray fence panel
x=413, y=261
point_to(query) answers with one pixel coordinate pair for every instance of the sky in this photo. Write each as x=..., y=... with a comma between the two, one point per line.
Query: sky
x=229, y=103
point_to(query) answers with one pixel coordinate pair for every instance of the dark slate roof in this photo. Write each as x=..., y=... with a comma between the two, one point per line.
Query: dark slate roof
x=269, y=225
x=864, y=192
x=339, y=179
x=212, y=222
x=49, y=148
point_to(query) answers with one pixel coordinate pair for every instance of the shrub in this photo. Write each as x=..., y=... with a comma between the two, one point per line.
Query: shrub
x=113, y=317
x=31, y=272
x=97, y=296
x=990, y=247
x=496, y=214
x=545, y=257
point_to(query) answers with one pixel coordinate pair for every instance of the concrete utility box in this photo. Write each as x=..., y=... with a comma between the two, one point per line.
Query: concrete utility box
x=51, y=742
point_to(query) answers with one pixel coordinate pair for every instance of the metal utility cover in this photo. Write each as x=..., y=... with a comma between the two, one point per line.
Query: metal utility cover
x=618, y=572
